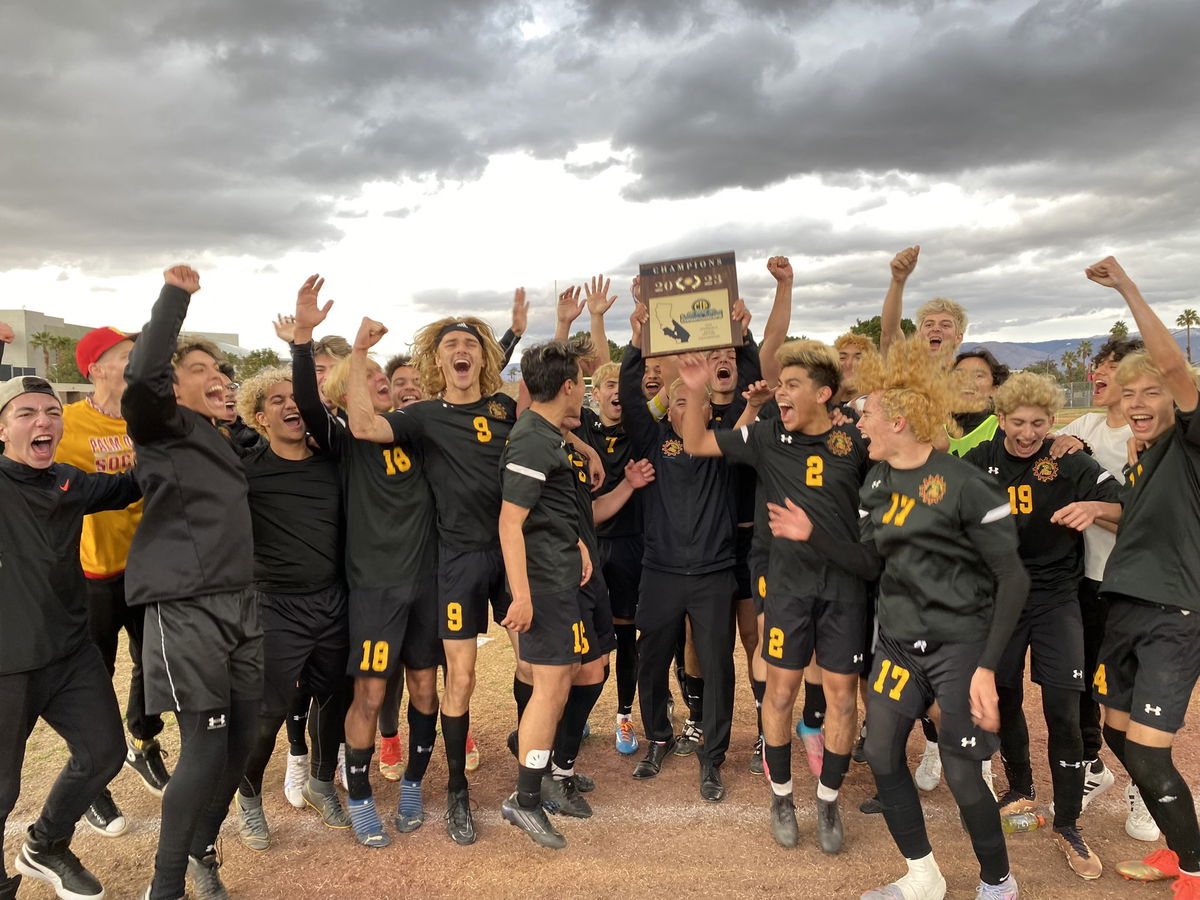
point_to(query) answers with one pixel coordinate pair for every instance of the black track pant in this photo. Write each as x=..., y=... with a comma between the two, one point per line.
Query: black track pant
x=107, y=615
x=705, y=600
x=74, y=696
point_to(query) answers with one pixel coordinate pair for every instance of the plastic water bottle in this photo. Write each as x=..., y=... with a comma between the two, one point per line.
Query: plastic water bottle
x=1020, y=822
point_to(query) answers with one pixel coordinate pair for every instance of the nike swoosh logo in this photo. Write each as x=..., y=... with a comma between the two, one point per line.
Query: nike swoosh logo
x=66, y=484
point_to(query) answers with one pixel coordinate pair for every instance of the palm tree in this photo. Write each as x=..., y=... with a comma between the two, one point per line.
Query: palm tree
x=1120, y=329
x=1187, y=319
x=47, y=342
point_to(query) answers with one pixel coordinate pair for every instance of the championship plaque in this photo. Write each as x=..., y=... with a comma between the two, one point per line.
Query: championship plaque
x=690, y=303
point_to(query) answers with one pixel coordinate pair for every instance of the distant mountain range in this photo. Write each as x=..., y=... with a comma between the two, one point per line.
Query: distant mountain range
x=1021, y=355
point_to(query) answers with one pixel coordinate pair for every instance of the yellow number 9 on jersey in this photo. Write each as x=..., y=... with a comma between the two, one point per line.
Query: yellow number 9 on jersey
x=483, y=432
x=454, y=616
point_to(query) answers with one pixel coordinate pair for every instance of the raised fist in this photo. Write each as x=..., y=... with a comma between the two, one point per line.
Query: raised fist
x=183, y=277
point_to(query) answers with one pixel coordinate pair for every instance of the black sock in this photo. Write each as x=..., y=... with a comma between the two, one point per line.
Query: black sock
x=987, y=839
x=326, y=731
x=1168, y=798
x=814, y=705
x=930, y=729
x=1014, y=740
x=693, y=695
x=529, y=786
x=1064, y=744
x=569, y=736
x=834, y=767
x=454, y=736
x=297, y=719
x=902, y=812
x=358, y=771
x=627, y=660
x=758, y=689
x=521, y=693
x=779, y=762
x=1116, y=743
x=422, y=734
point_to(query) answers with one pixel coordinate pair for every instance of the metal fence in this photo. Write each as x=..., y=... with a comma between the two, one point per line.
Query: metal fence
x=1077, y=394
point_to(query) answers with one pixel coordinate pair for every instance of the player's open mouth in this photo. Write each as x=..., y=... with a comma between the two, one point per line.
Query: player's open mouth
x=653, y=387
x=1141, y=423
x=384, y=391
x=615, y=403
x=785, y=411
x=292, y=420
x=935, y=343
x=1024, y=448
x=724, y=372
x=409, y=398
x=42, y=446
x=1098, y=387
x=462, y=366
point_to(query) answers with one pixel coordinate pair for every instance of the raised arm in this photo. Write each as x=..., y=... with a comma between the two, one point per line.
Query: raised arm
x=598, y=303
x=364, y=422
x=569, y=308
x=638, y=474
x=902, y=266
x=6, y=337
x=778, y=320
x=636, y=418
x=1159, y=342
x=520, y=319
x=698, y=440
x=148, y=404
x=755, y=396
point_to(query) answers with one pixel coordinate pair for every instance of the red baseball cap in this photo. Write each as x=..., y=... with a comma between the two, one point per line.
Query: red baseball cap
x=96, y=343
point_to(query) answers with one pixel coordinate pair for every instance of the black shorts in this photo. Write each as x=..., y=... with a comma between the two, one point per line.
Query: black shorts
x=467, y=581
x=1149, y=661
x=597, y=617
x=744, y=541
x=759, y=559
x=1053, y=632
x=909, y=680
x=202, y=653
x=794, y=627
x=305, y=640
x=559, y=635
x=392, y=626
x=621, y=563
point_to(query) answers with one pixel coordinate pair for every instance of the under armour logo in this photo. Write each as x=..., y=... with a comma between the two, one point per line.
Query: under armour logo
x=875, y=484
x=1157, y=710
x=1077, y=673
x=785, y=439
x=993, y=470
x=858, y=657
x=968, y=742
x=922, y=646
x=215, y=722
x=357, y=770
x=421, y=749
x=1070, y=765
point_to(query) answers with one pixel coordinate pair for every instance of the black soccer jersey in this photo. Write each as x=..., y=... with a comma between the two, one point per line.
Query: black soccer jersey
x=929, y=524
x=536, y=475
x=583, y=503
x=1037, y=488
x=820, y=473
x=726, y=415
x=296, y=512
x=615, y=450
x=463, y=443
x=1156, y=556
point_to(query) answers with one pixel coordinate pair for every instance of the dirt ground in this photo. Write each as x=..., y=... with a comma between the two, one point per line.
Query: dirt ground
x=656, y=837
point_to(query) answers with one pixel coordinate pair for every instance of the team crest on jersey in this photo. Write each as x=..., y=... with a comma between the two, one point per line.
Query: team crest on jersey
x=672, y=447
x=496, y=410
x=932, y=490
x=1045, y=469
x=839, y=443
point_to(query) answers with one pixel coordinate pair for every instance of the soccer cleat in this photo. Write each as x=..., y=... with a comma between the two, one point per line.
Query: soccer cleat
x=627, y=742
x=294, y=778
x=689, y=740
x=1095, y=782
x=148, y=763
x=459, y=823
x=1013, y=802
x=712, y=788
x=989, y=780
x=783, y=821
x=55, y=864
x=929, y=770
x=585, y=783
x=652, y=762
x=252, y=822
x=206, y=880
x=561, y=796
x=1139, y=824
x=322, y=796
x=829, y=826
x=1158, y=866
x=368, y=830
x=814, y=746
x=1080, y=858
x=104, y=817
x=534, y=822
x=872, y=806
x=911, y=886
x=472, y=753
x=411, y=811
x=756, y=758
x=1186, y=887
x=391, y=757
x=1005, y=890
x=859, y=753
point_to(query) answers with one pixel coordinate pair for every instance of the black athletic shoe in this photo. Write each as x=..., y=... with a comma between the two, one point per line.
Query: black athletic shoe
x=206, y=878
x=783, y=821
x=859, y=753
x=534, y=822
x=871, y=806
x=104, y=816
x=149, y=765
x=513, y=747
x=712, y=788
x=829, y=826
x=561, y=796
x=58, y=866
x=585, y=783
x=459, y=823
x=689, y=739
x=756, y=759
x=652, y=762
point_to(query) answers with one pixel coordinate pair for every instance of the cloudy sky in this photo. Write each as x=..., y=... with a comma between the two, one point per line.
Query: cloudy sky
x=427, y=156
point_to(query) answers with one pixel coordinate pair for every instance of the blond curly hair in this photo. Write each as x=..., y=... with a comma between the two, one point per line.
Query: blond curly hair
x=1028, y=389
x=254, y=389
x=853, y=341
x=424, y=356
x=914, y=385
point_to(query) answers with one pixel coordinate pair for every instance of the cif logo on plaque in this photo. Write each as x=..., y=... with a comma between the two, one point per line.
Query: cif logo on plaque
x=690, y=302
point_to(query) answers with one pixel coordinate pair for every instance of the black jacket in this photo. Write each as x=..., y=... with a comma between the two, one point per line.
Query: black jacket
x=195, y=536
x=43, y=600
